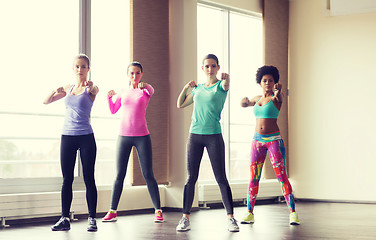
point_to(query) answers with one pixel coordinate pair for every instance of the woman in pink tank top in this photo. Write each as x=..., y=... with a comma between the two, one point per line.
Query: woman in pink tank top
x=133, y=132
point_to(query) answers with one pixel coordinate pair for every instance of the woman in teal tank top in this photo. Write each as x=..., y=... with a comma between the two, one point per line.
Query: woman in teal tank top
x=268, y=139
x=205, y=132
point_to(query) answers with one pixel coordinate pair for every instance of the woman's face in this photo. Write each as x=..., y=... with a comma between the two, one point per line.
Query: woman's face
x=81, y=68
x=210, y=67
x=267, y=83
x=134, y=74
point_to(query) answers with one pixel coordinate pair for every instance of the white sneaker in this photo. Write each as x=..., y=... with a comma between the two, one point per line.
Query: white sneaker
x=183, y=225
x=232, y=225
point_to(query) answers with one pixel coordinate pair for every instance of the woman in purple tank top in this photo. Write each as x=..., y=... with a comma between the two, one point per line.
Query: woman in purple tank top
x=77, y=135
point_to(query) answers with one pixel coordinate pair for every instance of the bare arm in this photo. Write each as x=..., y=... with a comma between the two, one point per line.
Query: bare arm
x=225, y=81
x=277, y=93
x=245, y=102
x=92, y=90
x=56, y=94
x=185, y=99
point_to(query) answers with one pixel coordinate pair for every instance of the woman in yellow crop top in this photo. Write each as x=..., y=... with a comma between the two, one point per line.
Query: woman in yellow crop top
x=268, y=139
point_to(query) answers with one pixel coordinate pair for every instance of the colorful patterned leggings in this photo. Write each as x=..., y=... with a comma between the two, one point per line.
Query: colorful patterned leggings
x=261, y=144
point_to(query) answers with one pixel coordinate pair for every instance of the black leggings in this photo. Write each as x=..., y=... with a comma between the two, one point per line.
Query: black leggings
x=144, y=151
x=216, y=149
x=68, y=153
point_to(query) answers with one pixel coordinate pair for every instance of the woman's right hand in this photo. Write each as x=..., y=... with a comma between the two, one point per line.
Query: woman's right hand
x=244, y=102
x=60, y=90
x=191, y=84
x=111, y=93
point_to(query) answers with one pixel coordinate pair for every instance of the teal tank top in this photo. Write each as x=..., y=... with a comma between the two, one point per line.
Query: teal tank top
x=268, y=110
x=208, y=105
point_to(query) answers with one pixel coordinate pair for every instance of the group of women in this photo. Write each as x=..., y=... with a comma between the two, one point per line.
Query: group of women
x=205, y=132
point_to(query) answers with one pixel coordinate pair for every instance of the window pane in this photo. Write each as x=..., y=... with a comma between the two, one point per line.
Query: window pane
x=245, y=58
x=210, y=39
x=110, y=57
x=38, y=44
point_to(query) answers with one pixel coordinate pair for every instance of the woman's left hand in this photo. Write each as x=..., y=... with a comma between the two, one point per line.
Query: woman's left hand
x=141, y=85
x=225, y=76
x=277, y=91
x=89, y=84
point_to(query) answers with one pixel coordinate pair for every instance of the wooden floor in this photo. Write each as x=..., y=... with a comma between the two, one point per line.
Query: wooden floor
x=318, y=221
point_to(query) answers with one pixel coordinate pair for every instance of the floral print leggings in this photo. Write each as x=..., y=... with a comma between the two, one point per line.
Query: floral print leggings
x=261, y=144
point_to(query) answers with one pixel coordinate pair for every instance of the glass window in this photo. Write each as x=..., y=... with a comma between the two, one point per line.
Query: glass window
x=38, y=45
x=110, y=58
x=37, y=49
x=236, y=39
x=246, y=55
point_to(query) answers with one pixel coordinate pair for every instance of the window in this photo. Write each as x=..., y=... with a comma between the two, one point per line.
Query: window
x=236, y=39
x=37, y=49
x=110, y=58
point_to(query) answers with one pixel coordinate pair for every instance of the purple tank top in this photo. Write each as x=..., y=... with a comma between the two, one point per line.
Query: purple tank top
x=77, y=114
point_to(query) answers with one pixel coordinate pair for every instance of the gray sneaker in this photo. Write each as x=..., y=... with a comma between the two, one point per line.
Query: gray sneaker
x=92, y=225
x=232, y=225
x=183, y=225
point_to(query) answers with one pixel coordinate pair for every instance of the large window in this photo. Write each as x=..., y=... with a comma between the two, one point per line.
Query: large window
x=236, y=39
x=38, y=44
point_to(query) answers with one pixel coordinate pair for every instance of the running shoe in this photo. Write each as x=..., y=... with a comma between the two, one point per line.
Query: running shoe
x=248, y=218
x=110, y=217
x=158, y=218
x=92, y=225
x=232, y=225
x=62, y=225
x=294, y=220
x=183, y=225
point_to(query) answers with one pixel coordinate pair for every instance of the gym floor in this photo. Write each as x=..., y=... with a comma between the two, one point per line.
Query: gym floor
x=319, y=220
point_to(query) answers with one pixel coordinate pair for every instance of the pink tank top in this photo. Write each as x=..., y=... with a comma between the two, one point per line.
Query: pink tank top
x=134, y=103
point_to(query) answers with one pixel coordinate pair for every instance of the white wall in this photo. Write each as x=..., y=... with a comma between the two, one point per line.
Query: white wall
x=331, y=80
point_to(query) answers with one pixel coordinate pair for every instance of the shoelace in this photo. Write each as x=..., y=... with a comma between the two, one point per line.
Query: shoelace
x=92, y=221
x=62, y=219
x=183, y=220
x=233, y=221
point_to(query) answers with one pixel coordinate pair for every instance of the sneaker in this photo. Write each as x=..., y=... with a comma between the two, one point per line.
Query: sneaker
x=294, y=220
x=62, y=225
x=232, y=225
x=183, y=225
x=110, y=217
x=158, y=218
x=248, y=218
x=92, y=227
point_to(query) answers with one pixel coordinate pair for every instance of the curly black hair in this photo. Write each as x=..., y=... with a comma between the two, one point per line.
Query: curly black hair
x=267, y=70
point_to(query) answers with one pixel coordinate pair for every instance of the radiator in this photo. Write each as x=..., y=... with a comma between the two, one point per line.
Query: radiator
x=31, y=205
x=209, y=193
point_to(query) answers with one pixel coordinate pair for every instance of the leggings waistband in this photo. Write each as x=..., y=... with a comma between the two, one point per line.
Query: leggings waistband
x=267, y=137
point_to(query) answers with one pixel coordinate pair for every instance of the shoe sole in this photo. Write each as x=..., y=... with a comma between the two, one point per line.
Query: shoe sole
x=63, y=229
x=158, y=221
x=294, y=223
x=111, y=220
x=233, y=230
x=92, y=230
x=247, y=222
x=183, y=230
